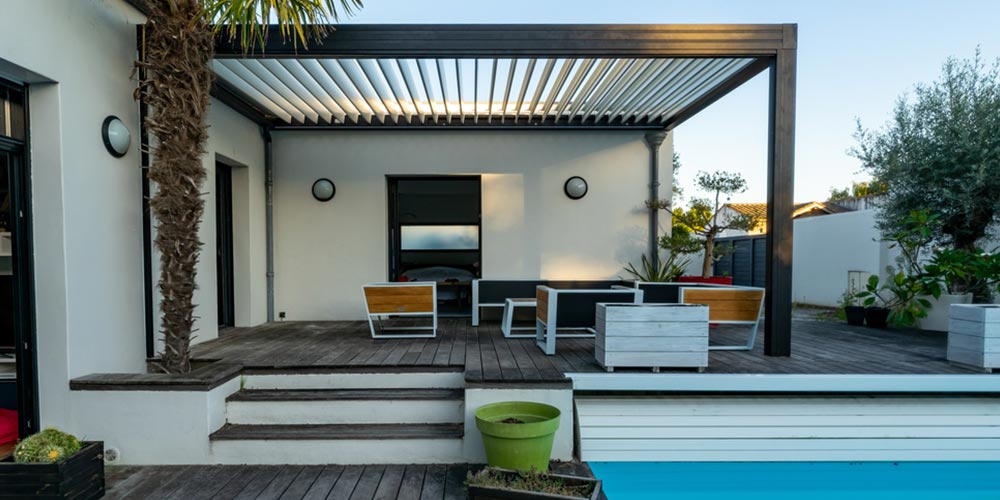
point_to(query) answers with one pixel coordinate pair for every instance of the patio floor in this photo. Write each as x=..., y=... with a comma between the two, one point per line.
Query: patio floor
x=292, y=482
x=818, y=346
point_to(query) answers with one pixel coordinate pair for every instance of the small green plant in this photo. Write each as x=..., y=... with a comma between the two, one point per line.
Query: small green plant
x=849, y=299
x=901, y=295
x=50, y=445
x=667, y=271
x=532, y=480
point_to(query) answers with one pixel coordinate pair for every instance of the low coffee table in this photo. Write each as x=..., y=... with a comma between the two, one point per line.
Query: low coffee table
x=506, y=326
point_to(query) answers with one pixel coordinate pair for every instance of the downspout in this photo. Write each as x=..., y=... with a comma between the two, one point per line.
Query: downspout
x=654, y=140
x=269, y=219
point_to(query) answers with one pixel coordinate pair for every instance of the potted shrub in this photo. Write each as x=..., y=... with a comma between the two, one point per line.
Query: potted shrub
x=957, y=277
x=493, y=482
x=897, y=302
x=854, y=312
x=54, y=464
x=518, y=434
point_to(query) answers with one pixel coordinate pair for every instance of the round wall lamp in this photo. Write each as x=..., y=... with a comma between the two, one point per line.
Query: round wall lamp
x=116, y=136
x=575, y=187
x=324, y=190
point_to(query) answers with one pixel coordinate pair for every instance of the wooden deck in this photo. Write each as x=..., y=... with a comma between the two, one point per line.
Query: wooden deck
x=292, y=482
x=818, y=346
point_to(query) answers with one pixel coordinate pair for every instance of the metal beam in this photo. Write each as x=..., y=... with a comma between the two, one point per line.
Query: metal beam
x=524, y=40
x=780, y=196
x=242, y=105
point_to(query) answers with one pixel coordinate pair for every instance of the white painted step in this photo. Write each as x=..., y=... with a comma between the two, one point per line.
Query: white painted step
x=356, y=380
x=346, y=406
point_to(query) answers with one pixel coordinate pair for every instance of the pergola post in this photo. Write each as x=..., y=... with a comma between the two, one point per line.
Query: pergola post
x=780, y=198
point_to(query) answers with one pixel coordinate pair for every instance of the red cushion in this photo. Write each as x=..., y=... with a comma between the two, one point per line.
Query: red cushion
x=8, y=426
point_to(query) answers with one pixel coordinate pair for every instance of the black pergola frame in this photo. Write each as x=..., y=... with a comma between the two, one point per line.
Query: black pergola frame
x=772, y=45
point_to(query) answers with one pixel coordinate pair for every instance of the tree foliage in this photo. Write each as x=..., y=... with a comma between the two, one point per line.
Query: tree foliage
x=702, y=220
x=858, y=190
x=941, y=152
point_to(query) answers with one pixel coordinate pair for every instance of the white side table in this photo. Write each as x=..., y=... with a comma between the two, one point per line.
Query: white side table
x=506, y=326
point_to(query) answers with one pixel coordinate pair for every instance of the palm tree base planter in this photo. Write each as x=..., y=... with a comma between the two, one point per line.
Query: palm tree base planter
x=496, y=483
x=855, y=315
x=711, y=280
x=80, y=476
x=877, y=317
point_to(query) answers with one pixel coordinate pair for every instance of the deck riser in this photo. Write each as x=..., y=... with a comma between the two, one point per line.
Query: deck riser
x=338, y=451
x=345, y=412
x=424, y=380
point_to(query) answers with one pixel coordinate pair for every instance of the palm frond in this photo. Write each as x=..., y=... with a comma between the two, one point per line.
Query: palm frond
x=300, y=21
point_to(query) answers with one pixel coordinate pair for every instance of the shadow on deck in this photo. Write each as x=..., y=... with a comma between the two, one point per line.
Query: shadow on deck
x=818, y=347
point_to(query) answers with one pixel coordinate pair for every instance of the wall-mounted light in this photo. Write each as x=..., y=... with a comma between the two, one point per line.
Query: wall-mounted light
x=324, y=190
x=575, y=187
x=116, y=136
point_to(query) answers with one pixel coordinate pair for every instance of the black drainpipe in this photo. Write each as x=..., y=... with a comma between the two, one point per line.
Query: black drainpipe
x=269, y=219
x=654, y=140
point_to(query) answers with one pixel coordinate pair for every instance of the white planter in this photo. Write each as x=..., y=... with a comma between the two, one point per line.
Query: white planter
x=974, y=335
x=652, y=335
x=937, y=315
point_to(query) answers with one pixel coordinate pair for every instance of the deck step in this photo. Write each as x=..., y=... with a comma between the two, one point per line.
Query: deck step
x=338, y=444
x=267, y=395
x=338, y=431
x=345, y=406
x=442, y=379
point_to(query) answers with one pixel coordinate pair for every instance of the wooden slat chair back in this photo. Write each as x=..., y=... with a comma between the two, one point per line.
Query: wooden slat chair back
x=411, y=299
x=573, y=309
x=736, y=305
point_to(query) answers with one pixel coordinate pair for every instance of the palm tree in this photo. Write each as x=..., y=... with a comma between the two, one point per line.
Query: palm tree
x=175, y=83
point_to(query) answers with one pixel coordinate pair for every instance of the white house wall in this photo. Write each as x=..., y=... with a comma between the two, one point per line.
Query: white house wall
x=325, y=252
x=78, y=58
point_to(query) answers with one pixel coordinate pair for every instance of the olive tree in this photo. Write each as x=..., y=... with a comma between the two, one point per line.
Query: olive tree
x=940, y=152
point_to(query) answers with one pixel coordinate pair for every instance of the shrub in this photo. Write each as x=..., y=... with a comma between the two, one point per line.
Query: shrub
x=50, y=445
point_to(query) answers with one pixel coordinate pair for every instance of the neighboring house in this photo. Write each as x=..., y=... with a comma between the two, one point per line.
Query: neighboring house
x=759, y=211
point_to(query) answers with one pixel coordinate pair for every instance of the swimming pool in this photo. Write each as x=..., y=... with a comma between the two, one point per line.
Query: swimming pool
x=800, y=480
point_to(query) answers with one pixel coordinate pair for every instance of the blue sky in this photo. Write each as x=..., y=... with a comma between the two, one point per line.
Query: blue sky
x=855, y=59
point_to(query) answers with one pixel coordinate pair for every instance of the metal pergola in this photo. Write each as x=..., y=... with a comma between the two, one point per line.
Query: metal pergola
x=483, y=76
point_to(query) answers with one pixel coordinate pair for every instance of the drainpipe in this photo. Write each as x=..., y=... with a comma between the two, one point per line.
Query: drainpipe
x=654, y=140
x=269, y=219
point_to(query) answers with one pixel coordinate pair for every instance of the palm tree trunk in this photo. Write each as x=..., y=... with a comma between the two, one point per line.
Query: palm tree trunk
x=178, y=50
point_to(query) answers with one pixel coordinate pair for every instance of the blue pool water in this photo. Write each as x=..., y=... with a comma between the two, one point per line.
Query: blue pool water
x=800, y=480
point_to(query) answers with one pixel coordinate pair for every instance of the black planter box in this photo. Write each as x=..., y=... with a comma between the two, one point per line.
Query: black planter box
x=490, y=493
x=855, y=315
x=81, y=476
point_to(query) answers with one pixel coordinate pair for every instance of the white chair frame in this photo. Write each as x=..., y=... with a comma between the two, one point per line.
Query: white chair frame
x=755, y=323
x=546, y=332
x=379, y=317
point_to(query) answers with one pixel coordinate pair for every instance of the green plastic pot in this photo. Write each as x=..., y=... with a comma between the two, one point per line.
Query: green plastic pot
x=518, y=446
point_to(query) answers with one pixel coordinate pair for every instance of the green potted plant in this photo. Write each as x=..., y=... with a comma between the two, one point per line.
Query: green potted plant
x=854, y=312
x=54, y=464
x=957, y=276
x=493, y=482
x=898, y=301
x=518, y=435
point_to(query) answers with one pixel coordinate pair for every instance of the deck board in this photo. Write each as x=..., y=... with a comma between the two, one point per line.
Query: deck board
x=487, y=357
x=295, y=482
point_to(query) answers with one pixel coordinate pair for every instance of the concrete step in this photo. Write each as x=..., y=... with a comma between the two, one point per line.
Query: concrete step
x=338, y=444
x=345, y=406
